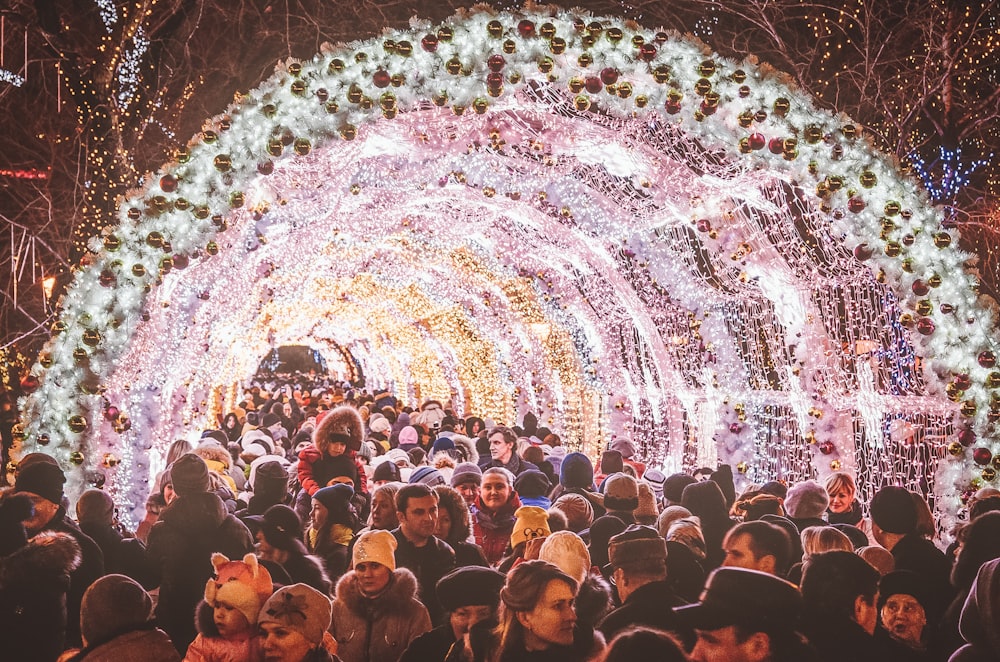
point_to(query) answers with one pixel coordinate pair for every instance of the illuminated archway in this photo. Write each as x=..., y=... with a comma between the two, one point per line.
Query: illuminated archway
x=607, y=225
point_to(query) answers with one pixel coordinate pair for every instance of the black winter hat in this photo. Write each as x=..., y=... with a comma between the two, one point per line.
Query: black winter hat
x=906, y=582
x=41, y=478
x=469, y=586
x=336, y=497
x=270, y=478
x=612, y=462
x=282, y=528
x=189, y=475
x=532, y=484
x=673, y=487
x=737, y=596
x=387, y=471
x=577, y=471
x=893, y=510
x=270, y=419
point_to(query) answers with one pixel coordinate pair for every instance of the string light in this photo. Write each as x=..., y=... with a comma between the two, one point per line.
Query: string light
x=449, y=227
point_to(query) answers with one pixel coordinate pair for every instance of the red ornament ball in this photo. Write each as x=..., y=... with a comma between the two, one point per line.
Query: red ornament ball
x=496, y=62
x=593, y=84
x=29, y=384
x=168, y=183
x=111, y=413
x=863, y=252
x=962, y=382
x=647, y=52
x=826, y=448
x=776, y=145
x=925, y=326
x=704, y=225
x=735, y=428
x=757, y=141
x=856, y=205
x=987, y=359
x=672, y=107
x=982, y=455
x=920, y=288
x=609, y=75
x=381, y=78
x=429, y=43
x=526, y=28
x=966, y=437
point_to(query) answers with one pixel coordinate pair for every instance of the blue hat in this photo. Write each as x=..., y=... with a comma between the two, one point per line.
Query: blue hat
x=428, y=476
x=577, y=471
x=442, y=444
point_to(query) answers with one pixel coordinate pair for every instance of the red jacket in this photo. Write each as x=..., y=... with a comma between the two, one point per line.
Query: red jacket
x=310, y=456
x=492, y=530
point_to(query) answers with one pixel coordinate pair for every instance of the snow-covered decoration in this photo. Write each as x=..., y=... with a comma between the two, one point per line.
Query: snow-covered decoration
x=607, y=225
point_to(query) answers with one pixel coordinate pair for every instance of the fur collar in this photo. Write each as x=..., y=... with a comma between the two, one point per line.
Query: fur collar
x=49, y=553
x=396, y=598
x=468, y=448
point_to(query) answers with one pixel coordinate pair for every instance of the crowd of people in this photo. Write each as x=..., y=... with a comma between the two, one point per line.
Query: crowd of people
x=320, y=523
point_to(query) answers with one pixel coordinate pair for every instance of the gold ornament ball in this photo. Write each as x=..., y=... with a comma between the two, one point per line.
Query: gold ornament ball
x=77, y=424
x=835, y=465
x=110, y=460
x=91, y=338
x=989, y=473
x=76, y=458
x=955, y=449
x=742, y=467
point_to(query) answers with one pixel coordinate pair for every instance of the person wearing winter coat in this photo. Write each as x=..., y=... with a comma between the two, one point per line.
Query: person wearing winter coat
x=376, y=614
x=333, y=525
x=980, y=620
x=279, y=541
x=470, y=595
x=454, y=527
x=333, y=454
x=494, y=513
x=227, y=618
x=123, y=555
x=503, y=452
x=294, y=624
x=117, y=624
x=193, y=526
x=42, y=480
x=34, y=579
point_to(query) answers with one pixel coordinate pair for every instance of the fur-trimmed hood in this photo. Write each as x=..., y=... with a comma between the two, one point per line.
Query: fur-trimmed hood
x=467, y=447
x=214, y=453
x=396, y=598
x=343, y=423
x=49, y=554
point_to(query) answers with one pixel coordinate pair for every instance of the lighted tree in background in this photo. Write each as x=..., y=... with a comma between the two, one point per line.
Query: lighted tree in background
x=94, y=94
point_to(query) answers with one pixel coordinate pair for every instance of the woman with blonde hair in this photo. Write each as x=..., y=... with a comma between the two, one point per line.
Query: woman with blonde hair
x=816, y=540
x=844, y=506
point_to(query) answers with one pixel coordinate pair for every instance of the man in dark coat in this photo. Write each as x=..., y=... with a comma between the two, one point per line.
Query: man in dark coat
x=43, y=482
x=839, y=591
x=894, y=526
x=193, y=526
x=470, y=595
x=418, y=549
x=638, y=560
x=122, y=555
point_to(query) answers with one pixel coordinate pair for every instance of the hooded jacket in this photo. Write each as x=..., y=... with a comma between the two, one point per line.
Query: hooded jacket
x=377, y=629
x=979, y=621
x=33, y=584
x=180, y=550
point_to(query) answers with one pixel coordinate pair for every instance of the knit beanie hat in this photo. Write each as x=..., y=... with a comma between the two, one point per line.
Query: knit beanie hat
x=95, y=506
x=299, y=607
x=687, y=531
x=375, y=547
x=380, y=425
x=113, y=604
x=255, y=441
x=44, y=479
x=470, y=586
x=655, y=479
x=893, y=510
x=466, y=472
x=621, y=492
x=647, y=509
x=531, y=522
x=673, y=487
x=386, y=471
x=624, y=447
x=335, y=498
x=638, y=547
x=427, y=475
x=601, y=532
x=189, y=475
x=577, y=472
x=243, y=585
x=532, y=484
x=14, y=509
x=341, y=466
x=568, y=552
x=408, y=436
x=442, y=444
x=270, y=418
x=269, y=479
x=611, y=462
x=807, y=500
x=578, y=510
x=668, y=516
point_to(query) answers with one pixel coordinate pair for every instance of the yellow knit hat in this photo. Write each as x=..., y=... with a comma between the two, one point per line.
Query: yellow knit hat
x=532, y=522
x=376, y=547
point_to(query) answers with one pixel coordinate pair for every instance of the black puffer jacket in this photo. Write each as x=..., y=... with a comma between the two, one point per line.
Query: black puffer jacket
x=180, y=553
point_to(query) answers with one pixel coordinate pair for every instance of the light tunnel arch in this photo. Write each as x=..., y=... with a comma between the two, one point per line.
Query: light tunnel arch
x=691, y=222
